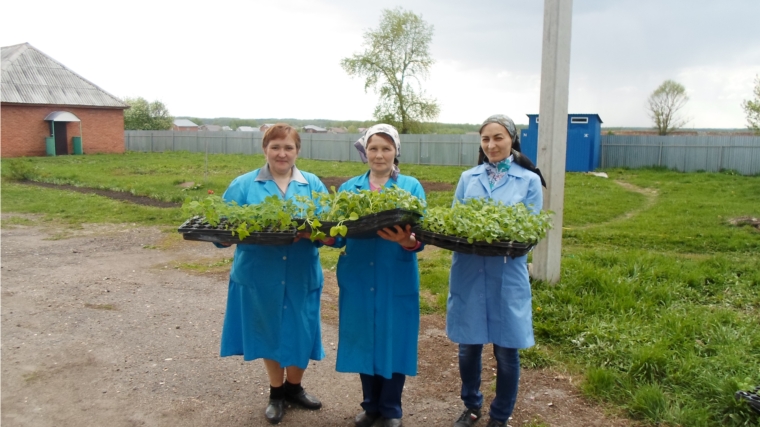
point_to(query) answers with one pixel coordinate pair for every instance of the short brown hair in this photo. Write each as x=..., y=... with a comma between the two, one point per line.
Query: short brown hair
x=281, y=131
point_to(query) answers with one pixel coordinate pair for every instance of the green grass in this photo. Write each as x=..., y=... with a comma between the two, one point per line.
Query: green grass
x=434, y=279
x=658, y=305
x=76, y=208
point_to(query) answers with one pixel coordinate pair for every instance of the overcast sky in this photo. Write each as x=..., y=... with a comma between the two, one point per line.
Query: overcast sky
x=263, y=59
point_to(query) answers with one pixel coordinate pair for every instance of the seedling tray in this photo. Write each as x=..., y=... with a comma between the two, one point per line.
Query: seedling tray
x=366, y=227
x=459, y=244
x=751, y=397
x=198, y=229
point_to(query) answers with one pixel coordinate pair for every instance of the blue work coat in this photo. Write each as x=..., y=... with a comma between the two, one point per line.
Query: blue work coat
x=489, y=297
x=379, y=302
x=274, y=291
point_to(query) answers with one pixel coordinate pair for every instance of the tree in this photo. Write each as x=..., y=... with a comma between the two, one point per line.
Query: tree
x=396, y=57
x=144, y=115
x=752, y=108
x=664, y=105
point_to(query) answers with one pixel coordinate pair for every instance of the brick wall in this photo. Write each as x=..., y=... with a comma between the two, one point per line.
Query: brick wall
x=23, y=129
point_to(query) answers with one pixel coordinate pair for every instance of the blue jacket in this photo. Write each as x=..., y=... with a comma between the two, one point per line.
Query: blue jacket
x=379, y=303
x=489, y=297
x=274, y=291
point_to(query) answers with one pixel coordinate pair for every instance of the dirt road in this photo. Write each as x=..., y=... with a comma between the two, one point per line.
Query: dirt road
x=99, y=328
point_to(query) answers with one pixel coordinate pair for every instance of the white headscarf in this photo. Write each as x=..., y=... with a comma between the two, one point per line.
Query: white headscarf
x=361, y=143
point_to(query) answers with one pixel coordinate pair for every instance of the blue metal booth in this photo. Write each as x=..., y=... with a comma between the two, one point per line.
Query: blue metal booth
x=584, y=134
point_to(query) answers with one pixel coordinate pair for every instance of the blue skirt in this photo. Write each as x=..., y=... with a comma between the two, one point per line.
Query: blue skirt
x=272, y=321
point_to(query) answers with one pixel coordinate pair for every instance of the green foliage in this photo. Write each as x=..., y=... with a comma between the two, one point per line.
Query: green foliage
x=535, y=358
x=271, y=215
x=349, y=206
x=752, y=108
x=434, y=268
x=649, y=403
x=144, y=115
x=686, y=213
x=651, y=326
x=488, y=221
x=275, y=214
x=395, y=55
x=664, y=105
x=19, y=170
x=592, y=200
x=77, y=208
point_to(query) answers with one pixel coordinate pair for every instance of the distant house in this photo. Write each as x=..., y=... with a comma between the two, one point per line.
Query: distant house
x=314, y=129
x=361, y=130
x=44, y=106
x=264, y=127
x=226, y=128
x=247, y=129
x=184, y=124
x=211, y=128
x=337, y=130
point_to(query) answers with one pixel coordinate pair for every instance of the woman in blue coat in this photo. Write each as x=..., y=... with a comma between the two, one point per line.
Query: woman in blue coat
x=274, y=291
x=379, y=282
x=489, y=297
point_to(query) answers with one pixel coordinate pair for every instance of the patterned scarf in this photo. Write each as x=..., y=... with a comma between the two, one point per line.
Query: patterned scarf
x=497, y=171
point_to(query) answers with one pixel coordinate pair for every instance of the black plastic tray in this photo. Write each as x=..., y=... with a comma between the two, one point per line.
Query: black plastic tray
x=366, y=227
x=752, y=398
x=200, y=230
x=459, y=244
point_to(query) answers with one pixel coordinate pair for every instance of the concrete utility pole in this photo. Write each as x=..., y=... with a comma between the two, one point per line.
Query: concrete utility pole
x=552, y=130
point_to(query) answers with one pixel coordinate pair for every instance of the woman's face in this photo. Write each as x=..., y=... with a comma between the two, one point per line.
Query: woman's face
x=281, y=155
x=380, y=155
x=495, y=142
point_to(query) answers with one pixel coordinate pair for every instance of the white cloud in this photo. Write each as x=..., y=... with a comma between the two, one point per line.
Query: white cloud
x=263, y=59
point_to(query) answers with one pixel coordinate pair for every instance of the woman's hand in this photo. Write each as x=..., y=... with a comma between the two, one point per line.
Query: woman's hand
x=402, y=236
x=328, y=241
x=302, y=235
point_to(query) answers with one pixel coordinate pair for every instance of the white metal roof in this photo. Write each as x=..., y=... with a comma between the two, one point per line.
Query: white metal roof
x=184, y=123
x=31, y=77
x=61, y=116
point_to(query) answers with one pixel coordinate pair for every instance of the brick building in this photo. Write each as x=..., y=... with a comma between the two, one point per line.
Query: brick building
x=41, y=98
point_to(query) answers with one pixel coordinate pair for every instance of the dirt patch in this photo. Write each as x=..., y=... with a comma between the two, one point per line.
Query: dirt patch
x=745, y=221
x=428, y=186
x=101, y=328
x=117, y=195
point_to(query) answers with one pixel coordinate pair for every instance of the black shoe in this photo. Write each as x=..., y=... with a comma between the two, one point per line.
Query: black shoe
x=468, y=418
x=275, y=410
x=392, y=422
x=494, y=423
x=304, y=399
x=365, y=419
